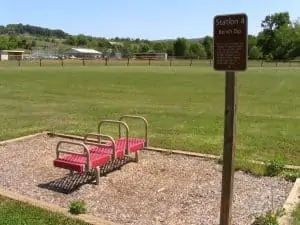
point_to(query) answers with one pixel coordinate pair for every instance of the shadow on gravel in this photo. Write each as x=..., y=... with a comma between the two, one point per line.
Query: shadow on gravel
x=72, y=182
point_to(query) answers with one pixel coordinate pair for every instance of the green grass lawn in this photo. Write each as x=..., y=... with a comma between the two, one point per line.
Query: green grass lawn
x=296, y=216
x=184, y=106
x=16, y=213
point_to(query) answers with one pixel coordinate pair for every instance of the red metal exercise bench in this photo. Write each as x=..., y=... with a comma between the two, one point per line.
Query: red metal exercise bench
x=89, y=157
x=131, y=144
x=95, y=154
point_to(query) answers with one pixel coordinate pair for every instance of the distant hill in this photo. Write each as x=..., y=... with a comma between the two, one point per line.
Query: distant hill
x=190, y=40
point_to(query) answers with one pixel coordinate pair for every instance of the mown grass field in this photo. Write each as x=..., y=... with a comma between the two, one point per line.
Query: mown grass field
x=184, y=105
x=16, y=213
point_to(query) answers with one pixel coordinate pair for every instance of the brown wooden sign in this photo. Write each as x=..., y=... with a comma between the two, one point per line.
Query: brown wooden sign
x=231, y=42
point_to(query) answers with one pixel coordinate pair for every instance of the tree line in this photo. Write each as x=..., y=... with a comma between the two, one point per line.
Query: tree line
x=279, y=39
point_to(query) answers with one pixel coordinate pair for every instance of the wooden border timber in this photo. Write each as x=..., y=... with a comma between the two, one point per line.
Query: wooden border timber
x=22, y=138
x=54, y=208
x=290, y=204
x=170, y=151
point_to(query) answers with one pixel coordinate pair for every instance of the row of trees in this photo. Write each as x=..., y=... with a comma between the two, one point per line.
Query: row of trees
x=279, y=39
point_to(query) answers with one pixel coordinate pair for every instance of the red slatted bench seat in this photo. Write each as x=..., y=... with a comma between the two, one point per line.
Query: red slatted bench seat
x=94, y=155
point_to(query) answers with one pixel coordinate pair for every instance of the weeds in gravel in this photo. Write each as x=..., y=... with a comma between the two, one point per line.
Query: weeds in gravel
x=77, y=207
x=269, y=218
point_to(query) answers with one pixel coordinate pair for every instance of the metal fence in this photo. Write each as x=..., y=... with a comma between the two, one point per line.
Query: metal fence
x=171, y=61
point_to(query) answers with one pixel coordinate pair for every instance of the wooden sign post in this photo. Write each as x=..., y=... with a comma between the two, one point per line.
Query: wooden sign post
x=230, y=55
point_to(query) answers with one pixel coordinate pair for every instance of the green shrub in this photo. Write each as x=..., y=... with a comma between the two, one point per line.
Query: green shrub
x=77, y=207
x=273, y=168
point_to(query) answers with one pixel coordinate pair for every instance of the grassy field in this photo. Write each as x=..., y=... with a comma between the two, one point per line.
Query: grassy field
x=184, y=106
x=16, y=213
x=296, y=216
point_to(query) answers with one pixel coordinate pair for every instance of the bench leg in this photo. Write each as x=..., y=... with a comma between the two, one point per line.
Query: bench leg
x=97, y=171
x=136, y=156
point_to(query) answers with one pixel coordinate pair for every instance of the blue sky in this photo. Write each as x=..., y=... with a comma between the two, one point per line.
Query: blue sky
x=155, y=19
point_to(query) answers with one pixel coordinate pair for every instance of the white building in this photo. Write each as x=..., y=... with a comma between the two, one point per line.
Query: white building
x=83, y=53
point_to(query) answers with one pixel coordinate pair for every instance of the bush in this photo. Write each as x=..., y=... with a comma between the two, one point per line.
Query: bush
x=273, y=168
x=77, y=207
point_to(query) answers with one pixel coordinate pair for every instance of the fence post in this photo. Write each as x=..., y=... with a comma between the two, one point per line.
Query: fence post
x=128, y=61
x=40, y=62
x=106, y=59
x=19, y=62
x=171, y=61
x=149, y=62
x=62, y=62
x=191, y=62
x=83, y=62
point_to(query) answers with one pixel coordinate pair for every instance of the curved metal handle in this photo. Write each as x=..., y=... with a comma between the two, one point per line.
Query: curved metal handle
x=143, y=120
x=86, y=150
x=99, y=136
x=120, y=123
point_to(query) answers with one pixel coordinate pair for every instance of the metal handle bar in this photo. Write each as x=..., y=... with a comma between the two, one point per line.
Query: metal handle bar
x=139, y=118
x=99, y=136
x=119, y=123
x=86, y=150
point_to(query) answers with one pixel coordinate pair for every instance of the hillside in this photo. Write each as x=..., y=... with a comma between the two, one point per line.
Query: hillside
x=279, y=39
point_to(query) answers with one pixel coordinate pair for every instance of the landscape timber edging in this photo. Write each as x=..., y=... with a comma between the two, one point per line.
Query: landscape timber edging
x=290, y=204
x=22, y=138
x=170, y=151
x=54, y=208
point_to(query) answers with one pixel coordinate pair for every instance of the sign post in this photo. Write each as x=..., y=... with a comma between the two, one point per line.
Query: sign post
x=230, y=55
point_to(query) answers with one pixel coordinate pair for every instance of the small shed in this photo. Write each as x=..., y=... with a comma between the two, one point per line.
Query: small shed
x=11, y=55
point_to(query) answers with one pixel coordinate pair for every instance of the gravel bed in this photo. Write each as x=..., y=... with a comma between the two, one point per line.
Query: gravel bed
x=159, y=189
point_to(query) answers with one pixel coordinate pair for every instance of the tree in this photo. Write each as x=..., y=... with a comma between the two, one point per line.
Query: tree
x=3, y=42
x=180, y=47
x=276, y=20
x=160, y=47
x=208, y=46
x=81, y=40
x=266, y=38
x=255, y=53
x=144, y=47
x=197, y=49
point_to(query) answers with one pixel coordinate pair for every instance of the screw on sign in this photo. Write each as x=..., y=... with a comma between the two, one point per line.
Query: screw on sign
x=230, y=42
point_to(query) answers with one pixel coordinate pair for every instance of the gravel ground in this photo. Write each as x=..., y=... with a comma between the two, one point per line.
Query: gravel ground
x=159, y=189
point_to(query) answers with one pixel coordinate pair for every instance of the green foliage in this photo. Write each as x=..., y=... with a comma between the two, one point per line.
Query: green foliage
x=77, y=207
x=208, y=46
x=273, y=168
x=255, y=53
x=291, y=175
x=197, y=49
x=180, y=47
x=269, y=218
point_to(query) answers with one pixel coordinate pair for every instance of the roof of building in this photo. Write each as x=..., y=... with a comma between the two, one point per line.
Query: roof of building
x=84, y=50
